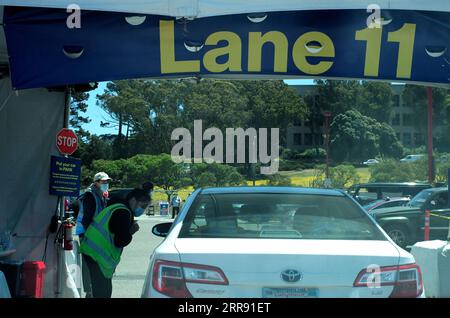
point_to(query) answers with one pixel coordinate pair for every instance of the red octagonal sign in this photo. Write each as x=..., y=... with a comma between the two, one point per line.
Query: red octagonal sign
x=66, y=141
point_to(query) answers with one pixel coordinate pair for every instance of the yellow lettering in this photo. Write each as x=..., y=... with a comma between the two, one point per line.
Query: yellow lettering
x=256, y=42
x=167, y=52
x=373, y=49
x=405, y=37
x=304, y=47
x=233, y=50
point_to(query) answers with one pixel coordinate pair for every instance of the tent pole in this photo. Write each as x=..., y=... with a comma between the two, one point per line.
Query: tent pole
x=60, y=250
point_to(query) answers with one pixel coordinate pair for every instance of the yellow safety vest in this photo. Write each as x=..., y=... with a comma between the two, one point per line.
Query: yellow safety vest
x=98, y=241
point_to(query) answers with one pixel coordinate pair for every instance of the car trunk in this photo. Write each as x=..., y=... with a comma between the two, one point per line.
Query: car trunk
x=254, y=267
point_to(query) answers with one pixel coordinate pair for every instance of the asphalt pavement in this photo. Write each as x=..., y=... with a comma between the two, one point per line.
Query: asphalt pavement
x=129, y=277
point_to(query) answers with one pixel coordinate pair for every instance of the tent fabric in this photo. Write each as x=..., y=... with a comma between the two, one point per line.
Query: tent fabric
x=29, y=121
x=207, y=8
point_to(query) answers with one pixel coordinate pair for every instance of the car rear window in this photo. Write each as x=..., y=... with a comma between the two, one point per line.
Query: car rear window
x=287, y=216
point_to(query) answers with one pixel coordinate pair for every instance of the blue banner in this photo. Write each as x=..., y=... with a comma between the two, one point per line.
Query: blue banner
x=65, y=174
x=46, y=49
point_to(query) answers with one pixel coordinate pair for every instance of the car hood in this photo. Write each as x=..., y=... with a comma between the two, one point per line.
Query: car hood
x=398, y=209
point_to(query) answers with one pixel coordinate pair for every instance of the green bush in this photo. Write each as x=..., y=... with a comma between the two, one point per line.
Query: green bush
x=290, y=154
x=289, y=165
x=312, y=153
x=341, y=176
x=279, y=180
x=391, y=170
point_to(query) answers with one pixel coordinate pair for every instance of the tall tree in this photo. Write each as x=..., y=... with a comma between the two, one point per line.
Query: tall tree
x=415, y=96
x=374, y=99
x=78, y=107
x=123, y=101
x=329, y=95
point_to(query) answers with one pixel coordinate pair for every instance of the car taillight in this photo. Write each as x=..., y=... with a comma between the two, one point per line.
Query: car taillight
x=170, y=278
x=406, y=279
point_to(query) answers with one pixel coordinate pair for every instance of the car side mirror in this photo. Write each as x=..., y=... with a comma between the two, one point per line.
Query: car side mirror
x=161, y=229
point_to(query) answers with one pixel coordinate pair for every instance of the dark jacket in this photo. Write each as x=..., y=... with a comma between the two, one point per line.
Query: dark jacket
x=89, y=206
x=120, y=224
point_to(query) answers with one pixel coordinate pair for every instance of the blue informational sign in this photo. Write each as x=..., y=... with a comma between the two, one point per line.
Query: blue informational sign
x=65, y=176
x=407, y=46
x=163, y=208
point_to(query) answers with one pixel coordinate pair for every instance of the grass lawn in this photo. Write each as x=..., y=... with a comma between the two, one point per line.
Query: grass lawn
x=304, y=178
x=299, y=178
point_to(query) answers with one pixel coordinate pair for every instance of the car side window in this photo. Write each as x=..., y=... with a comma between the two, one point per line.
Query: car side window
x=441, y=201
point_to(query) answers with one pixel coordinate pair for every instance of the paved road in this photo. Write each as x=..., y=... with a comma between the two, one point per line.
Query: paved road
x=130, y=274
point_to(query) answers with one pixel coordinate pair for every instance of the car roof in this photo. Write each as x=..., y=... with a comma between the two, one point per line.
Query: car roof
x=442, y=189
x=392, y=184
x=396, y=199
x=277, y=190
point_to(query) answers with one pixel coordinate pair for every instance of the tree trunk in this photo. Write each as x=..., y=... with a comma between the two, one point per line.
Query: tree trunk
x=119, y=136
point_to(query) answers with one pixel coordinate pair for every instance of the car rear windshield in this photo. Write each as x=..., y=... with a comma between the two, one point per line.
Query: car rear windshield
x=281, y=216
x=419, y=200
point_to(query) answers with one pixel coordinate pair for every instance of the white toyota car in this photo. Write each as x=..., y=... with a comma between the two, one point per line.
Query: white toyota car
x=277, y=242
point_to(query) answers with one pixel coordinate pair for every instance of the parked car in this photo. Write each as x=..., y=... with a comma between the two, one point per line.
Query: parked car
x=386, y=203
x=366, y=193
x=276, y=242
x=412, y=158
x=371, y=162
x=405, y=225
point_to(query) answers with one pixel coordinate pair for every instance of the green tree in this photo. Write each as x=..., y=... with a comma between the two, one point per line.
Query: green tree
x=78, y=108
x=206, y=179
x=224, y=175
x=123, y=101
x=95, y=148
x=416, y=97
x=272, y=104
x=374, y=100
x=357, y=138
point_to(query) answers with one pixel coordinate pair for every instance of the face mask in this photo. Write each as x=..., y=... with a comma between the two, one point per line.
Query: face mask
x=138, y=211
x=104, y=187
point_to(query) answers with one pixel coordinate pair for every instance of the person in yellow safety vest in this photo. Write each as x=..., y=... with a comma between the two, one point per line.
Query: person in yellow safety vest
x=110, y=231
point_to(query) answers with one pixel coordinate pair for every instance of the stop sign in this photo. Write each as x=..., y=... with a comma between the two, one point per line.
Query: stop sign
x=66, y=141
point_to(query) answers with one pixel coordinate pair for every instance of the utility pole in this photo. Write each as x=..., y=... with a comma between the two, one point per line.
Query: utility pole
x=430, y=135
x=327, y=115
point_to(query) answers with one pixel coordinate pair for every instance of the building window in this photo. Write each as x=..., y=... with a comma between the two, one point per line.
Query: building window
x=407, y=139
x=308, y=139
x=319, y=139
x=407, y=120
x=298, y=122
x=396, y=100
x=396, y=120
x=398, y=136
x=297, y=139
x=418, y=139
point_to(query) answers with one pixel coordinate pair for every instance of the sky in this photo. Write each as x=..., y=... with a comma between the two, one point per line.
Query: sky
x=96, y=114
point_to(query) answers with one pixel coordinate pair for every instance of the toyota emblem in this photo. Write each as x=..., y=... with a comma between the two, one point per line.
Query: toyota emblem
x=291, y=275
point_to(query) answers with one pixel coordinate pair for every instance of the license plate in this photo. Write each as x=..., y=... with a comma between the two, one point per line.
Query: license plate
x=290, y=292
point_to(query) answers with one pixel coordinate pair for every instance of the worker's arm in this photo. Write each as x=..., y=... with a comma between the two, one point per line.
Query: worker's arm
x=120, y=225
x=89, y=207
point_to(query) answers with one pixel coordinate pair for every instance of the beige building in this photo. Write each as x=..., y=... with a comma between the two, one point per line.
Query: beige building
x=299, y=135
